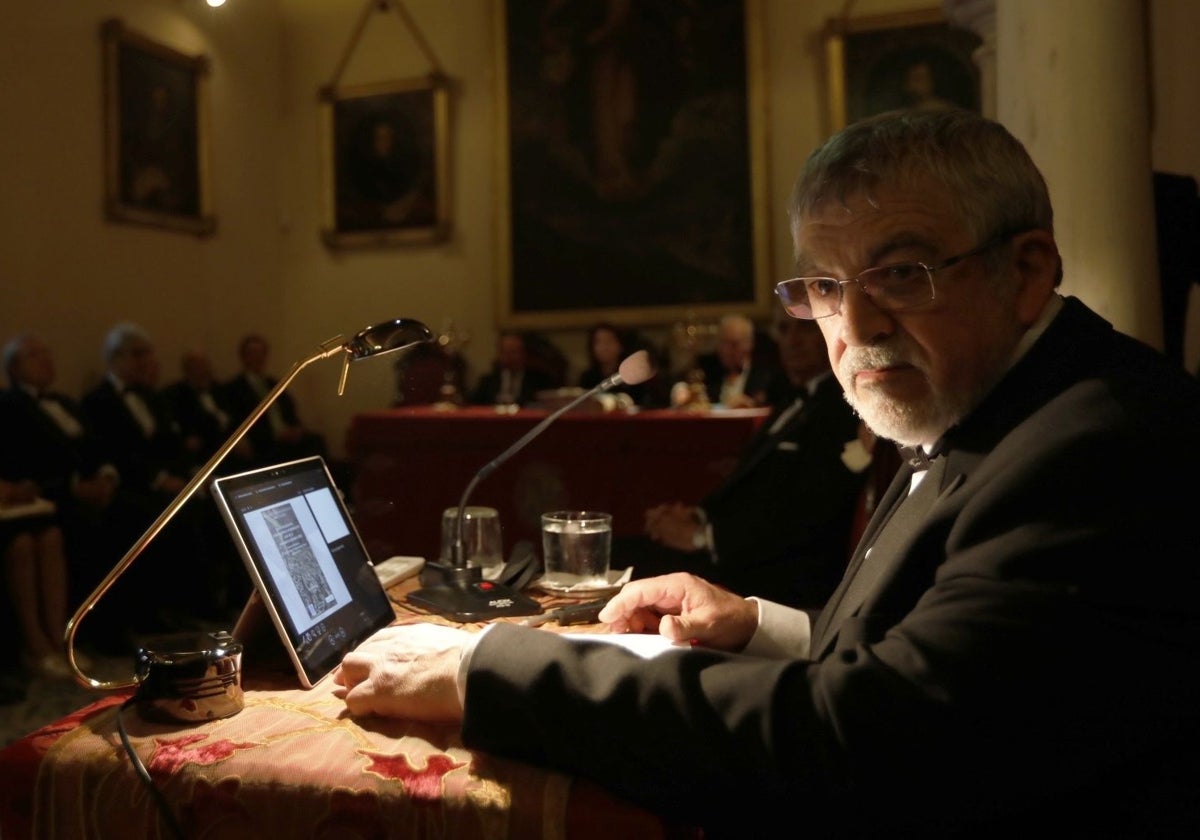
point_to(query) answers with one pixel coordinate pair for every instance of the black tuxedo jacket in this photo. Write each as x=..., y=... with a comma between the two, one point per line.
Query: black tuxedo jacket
x=758, y=379
x=488, y=388
x=242, y=399
x=140, y=458
x=1026, y=656
x=34, y=447
x=194, y=419
x=781, y=521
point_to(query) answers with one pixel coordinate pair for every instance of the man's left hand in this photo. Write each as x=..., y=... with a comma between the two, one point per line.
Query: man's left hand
x=408, y=671
x=674, y=525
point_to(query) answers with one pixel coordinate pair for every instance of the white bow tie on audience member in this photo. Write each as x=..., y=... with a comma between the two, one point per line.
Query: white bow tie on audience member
x=140, y=411
x=61, y=417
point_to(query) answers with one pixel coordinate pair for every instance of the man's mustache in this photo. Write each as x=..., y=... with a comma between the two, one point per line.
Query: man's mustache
x=857, y=359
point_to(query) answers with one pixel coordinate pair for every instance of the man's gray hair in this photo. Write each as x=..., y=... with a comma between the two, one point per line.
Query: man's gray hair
x=995, y=185
x=12, y=349
x=120, y=336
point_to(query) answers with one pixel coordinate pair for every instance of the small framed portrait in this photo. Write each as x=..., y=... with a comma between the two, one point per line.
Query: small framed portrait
x=386, y=162
x=903, y=60
x=155, y=133
x=633, y=176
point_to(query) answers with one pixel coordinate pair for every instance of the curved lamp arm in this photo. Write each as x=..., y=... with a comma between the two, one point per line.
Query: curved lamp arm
x=373, y=341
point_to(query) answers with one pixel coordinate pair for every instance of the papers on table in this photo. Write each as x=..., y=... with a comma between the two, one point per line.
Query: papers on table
x=38, y=507
x=645, y=645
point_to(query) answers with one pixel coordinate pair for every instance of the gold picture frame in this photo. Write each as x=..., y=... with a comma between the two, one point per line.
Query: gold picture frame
x=386, y=163
x=156, y=133
x=632, y=165
x=904, y=59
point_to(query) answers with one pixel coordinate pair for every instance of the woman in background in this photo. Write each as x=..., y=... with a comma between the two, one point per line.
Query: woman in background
x=607, y=348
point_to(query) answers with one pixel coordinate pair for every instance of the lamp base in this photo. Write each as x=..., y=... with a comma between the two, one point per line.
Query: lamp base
x=463, y=595
x=189, y=677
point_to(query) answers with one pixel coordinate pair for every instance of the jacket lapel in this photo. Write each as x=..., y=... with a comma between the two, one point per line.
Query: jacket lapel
x=884, y=547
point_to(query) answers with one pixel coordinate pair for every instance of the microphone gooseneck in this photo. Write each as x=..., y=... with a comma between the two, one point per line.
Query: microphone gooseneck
x=633, y=370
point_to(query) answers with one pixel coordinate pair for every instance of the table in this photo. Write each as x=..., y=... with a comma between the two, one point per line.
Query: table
x=410, y=464
x=292, y=765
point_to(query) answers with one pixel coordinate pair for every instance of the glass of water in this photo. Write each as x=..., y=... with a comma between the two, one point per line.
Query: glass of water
x=576, y=545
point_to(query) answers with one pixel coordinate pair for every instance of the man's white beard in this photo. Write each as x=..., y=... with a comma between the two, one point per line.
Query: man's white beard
x=908, y=423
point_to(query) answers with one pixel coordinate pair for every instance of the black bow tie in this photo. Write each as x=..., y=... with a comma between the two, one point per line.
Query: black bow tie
x=918, y=458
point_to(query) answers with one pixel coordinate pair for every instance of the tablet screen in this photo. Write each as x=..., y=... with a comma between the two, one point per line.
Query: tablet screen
x=307, y=561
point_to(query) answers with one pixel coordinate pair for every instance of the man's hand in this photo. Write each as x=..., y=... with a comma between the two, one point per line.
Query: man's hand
x=682, y=608
x=409, y=671
x=673, y=525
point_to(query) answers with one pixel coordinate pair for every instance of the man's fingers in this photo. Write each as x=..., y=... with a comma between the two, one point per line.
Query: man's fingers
x=638, y=595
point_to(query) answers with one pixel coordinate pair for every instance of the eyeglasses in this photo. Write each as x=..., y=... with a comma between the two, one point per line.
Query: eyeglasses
x=892, y=288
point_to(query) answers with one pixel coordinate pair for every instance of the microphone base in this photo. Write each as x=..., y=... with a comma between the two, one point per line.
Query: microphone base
x=463, y=595
x=435, y=572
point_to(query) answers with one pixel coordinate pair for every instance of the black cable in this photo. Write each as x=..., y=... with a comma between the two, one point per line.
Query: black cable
x=144, y=774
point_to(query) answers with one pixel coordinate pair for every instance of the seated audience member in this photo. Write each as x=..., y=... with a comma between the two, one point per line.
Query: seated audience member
x=47, y=442
x=127, y=412
x=35, y=578
x=428, y=374
x=279, y=435
x=512, y=380
x=1014, y=642
x=199, y=406
x=780, y=524
x=607, y=347
x=46, y=437
x=730, y=378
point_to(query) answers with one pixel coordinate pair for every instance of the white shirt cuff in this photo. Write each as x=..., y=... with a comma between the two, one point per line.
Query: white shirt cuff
x=783, y=633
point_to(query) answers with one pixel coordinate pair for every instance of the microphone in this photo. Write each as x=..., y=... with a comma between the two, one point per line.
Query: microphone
x=462, y=594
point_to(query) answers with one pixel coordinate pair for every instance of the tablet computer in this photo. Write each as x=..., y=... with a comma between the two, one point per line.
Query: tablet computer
x=307, y=561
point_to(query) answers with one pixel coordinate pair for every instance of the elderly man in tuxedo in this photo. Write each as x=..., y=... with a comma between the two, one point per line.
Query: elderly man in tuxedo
x=130, y=416
x=49, y=441
x=1015, y=641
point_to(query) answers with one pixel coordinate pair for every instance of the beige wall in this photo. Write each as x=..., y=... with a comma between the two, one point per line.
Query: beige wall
x=68, y=274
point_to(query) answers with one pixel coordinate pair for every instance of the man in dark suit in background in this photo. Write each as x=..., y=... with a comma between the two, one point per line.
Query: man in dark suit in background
x=186, y=563
x=779, y=525
x=737, y=372
x=198, y=405
x=45, y=437
x=128, y=413
x=52, y=559
x=1016, y=638
x=512, y=380
x=279, y=435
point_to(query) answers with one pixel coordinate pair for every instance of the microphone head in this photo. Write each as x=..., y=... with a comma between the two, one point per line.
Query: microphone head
x=636, y=368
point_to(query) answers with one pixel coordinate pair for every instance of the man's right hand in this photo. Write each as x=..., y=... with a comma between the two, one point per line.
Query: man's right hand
x=683, y=608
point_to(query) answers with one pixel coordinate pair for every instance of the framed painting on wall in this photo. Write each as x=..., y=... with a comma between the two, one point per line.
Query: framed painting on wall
x=386, y=163
x=155, y=133
x=901, y=60
x=632, y=172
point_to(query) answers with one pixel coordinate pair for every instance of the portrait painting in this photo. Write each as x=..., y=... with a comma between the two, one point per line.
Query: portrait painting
x=903, y=60
x=156, y=143
x=386, y=163
x=632, y=175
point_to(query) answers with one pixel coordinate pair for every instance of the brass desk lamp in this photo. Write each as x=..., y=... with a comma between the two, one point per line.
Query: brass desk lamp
x=373, y=341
